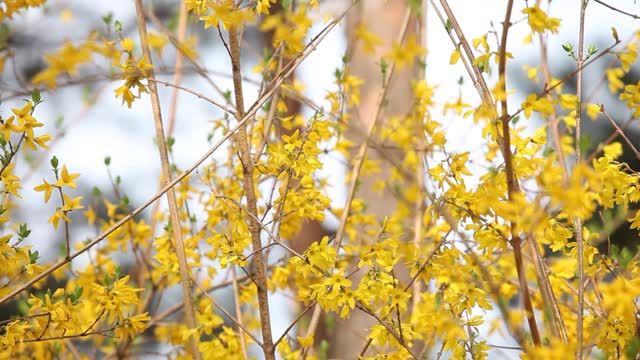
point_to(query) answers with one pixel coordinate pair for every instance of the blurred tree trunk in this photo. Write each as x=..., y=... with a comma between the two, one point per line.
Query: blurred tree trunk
x=385, y=19
x=312, y=230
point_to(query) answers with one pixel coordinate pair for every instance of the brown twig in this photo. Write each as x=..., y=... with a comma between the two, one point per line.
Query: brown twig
x=236, y=300
x=577, y=219
x=479, y=81
x=419, y=205
x=620, y=132
x=617, y=10
x=197, y=94
x=249, y=191
x=294, y=322
x=512, y=184
x=227, y=314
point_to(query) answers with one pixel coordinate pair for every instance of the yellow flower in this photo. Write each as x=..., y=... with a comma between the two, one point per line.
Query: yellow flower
x=114, y=297
x=47, y=188
x=71, y=204
x=132, y=326
x=67, y=179
x=369, y=39
x=539, y=21
x=405, y=55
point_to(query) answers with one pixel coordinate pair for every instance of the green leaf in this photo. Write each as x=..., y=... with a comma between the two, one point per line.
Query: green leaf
x=35, y=96
x=448, y=25
x=285, y=4
x=108, y=19
x=54, y=162
x=337, y=74
x=24, y=231
x=75, y=295
x=568, y=47
x=33, y=257
x=107, y=160
x=384, y=66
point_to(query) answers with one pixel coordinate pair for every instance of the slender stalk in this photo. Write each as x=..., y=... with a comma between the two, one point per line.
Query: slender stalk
x=183, y=266
x=512, y=185
x=177, y=77
x=250, y=194
x=479, y=81
x=541, y=272
x=420, y=169
x=620, y=132
x=236, y=300
x=577, y=219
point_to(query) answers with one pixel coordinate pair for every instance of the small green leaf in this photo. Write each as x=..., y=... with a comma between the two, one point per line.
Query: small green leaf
x=54, y=162
x=108, y=19
x=35, y=96
x=448, y=25
x=33, y=257
x=107, y=160
x=384, y=66
x=337, y=74
x=24, y=231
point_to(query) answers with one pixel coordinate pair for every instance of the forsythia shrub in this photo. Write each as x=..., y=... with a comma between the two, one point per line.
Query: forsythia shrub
x=513, y=231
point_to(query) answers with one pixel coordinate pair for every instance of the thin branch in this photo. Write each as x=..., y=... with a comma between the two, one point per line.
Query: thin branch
x=176, y=227
x=197, y=94
x=250, y=195
x=420, y=171
x=548, y=87
x=617, y=10
x=512, y=182
x=577, y=219
x=480, y=83
x=236, y=300
x=620, y=132
x=226, y=313
x=294, y=322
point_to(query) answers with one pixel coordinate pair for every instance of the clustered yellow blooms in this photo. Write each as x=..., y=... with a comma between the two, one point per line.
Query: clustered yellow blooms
x=10, y=8
x=464, y=261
